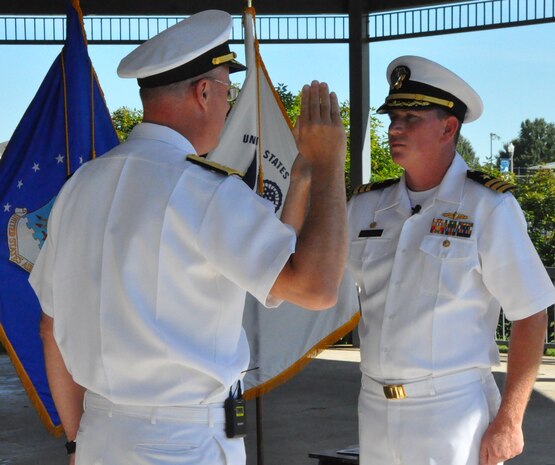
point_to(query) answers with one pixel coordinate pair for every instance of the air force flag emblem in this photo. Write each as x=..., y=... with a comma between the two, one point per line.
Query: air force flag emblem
x=26, y=235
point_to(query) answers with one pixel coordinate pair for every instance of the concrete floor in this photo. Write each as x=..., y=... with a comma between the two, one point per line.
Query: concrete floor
x=316, y=410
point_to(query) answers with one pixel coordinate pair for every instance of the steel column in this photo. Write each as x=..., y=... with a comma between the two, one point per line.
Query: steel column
x=359, y=84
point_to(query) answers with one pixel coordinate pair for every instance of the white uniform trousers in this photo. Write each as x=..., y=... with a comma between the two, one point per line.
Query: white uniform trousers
x=112, y=434
x=441, y=420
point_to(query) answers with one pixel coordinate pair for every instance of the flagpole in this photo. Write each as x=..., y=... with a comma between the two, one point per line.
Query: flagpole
x=259, y=429
x=259, y=432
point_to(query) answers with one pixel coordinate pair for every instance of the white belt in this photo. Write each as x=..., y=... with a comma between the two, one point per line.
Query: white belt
x=426, y=387
x=205, y=414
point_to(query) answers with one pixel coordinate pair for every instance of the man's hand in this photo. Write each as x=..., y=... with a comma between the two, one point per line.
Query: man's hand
x=319, y=131
x=504, y=439
x=316, y=205
x=501, y=441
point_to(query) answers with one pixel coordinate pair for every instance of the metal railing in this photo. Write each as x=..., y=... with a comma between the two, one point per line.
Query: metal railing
x=442, y=19
x=135, y=29
x=459, y=17
x=504, y=327
x=523, y=172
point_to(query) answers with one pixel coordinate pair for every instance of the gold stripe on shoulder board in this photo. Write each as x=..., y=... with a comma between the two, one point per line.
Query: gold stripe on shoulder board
x=375, y=186
x=212, y=165
x=495, y=184
x=363, y=188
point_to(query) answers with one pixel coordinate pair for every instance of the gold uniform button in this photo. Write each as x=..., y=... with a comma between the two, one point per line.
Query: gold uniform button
x=446, y=243
x=373, y=224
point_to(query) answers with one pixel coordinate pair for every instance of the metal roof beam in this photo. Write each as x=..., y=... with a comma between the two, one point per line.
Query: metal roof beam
x=187, y=7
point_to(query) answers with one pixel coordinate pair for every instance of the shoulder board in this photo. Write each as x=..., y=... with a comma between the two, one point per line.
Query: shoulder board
x=213, y=166
x=374, y=186
x=495, y=184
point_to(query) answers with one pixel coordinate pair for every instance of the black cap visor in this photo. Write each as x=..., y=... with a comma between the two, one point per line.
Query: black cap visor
x=218, y=56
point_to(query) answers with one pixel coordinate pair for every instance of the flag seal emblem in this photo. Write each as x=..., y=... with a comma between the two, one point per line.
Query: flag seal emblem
x=273, y=193
x=26, y=235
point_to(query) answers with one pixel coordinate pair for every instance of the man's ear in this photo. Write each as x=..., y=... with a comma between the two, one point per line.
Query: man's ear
x=201, y=92
x=450, y=127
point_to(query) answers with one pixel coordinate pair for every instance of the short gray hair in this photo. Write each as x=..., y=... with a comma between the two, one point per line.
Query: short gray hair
x=176, y=88
x=442, y=114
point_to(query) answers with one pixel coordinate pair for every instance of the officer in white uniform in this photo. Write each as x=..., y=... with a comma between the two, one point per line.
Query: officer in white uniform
x=436, y=253
x=150, y=252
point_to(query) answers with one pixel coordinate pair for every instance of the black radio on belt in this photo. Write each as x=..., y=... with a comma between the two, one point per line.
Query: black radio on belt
x=235, y=414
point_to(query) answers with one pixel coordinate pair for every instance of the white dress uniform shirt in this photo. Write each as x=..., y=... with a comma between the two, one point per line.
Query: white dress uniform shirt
x=145, y=269
x=431, y=301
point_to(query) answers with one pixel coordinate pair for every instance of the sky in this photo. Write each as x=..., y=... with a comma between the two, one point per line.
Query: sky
x=512, y=70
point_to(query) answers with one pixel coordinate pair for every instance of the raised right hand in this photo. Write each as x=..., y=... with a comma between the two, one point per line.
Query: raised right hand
x=319, y=132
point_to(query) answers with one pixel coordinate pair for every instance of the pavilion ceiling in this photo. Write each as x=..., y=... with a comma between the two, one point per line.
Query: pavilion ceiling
x=186, y=7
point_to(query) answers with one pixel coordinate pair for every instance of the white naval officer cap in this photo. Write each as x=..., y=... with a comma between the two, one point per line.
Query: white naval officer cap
x=189, y=48
x=419, y=83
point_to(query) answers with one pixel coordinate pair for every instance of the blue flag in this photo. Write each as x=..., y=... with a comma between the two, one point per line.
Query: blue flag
x=66, y=124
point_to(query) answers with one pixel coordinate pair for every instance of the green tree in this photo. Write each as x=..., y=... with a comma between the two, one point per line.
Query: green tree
x=345, y=113
x=491, y=167
x=534, y=145
x=381, y=164
x=125, y=120
x=536, y=195
x=464, y=147
x=292, y=104
x=290, y=101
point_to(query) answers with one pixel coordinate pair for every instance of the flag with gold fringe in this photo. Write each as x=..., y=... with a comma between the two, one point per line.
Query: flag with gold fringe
x=257, y=141
x=257, y=138
x=66, y=124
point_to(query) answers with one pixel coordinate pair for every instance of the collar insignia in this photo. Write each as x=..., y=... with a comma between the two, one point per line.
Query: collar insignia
x=455, y=216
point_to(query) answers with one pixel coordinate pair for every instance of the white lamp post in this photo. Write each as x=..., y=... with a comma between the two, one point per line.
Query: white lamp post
x=511, y=150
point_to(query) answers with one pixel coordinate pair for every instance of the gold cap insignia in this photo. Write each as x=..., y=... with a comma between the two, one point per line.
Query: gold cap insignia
x=224, y=58
x=398, y=76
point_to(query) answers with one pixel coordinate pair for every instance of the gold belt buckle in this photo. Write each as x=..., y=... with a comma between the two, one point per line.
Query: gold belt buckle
x=394, y=391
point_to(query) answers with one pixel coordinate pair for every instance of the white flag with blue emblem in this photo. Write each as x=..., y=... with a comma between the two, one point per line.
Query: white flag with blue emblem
x=257, y=141
x=257, y=138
